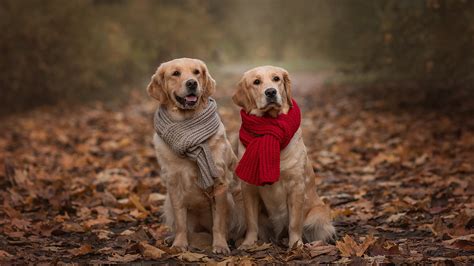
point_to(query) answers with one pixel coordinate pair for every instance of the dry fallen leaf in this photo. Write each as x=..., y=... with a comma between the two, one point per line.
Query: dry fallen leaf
x=246, y=261
x=117, y=180
x=458, y=228
x=297, y=252
x=255, y=247
x=102, y=234
x=125, y=258
x=227, y=261
x=395, y=217
x=82, y=250
x=16, y=234
x=5, y=255
x=462, y=242
x=98, y=221
x=73, y=227
x=61, y=218
x=382, y=157
x=365, y=245
x=135, y=213
x=348, y=247
x=150, y=252
x=20, y=223
x=192, y=257
x=318, y=248
x=383, y=247
x=11, y=212
x=136, y=201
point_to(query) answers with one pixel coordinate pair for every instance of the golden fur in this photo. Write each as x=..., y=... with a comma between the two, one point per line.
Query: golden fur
x=189, y=209
x=291, y=203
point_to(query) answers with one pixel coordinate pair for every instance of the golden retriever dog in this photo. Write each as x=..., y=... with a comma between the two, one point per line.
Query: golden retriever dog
x=183, y=87
x=291, y=204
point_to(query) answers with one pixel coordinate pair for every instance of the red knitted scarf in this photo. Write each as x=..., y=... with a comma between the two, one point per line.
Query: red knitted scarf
x=264, y=138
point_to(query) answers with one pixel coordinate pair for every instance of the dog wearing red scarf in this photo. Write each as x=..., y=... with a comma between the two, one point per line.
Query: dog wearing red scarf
x=279, y=186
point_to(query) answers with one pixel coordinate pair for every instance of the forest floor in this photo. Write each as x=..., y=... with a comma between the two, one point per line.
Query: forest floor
x=81, y=184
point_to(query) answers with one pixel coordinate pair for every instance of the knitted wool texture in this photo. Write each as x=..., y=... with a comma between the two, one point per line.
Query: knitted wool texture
x=188, y=138
x=264, y=138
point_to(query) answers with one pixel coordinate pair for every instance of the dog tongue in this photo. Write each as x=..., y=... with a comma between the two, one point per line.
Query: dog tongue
x=191, y=98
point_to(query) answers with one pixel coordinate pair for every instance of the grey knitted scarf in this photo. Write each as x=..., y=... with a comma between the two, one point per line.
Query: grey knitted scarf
x=188, y=139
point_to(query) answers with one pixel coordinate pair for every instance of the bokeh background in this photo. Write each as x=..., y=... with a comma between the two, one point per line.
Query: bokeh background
x=73, y=51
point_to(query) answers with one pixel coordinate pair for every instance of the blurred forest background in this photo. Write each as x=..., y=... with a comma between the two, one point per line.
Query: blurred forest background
x=62, y=51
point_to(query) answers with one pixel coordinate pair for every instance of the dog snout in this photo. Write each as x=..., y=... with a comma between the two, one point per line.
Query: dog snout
x=270, y=92
x=191, y=84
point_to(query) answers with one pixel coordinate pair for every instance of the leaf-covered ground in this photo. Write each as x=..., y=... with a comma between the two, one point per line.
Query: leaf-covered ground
x=81, y=184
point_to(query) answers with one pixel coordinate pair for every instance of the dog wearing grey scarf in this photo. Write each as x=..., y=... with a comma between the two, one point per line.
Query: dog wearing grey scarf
x=195, y=156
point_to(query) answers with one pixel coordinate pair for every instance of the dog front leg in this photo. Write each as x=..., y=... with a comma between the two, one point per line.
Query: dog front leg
x=220, y=210
x=180, y=219
x=251, y=205
x=295, y=209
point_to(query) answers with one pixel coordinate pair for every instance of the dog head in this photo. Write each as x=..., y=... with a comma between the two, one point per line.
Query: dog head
x=264, y=90
x=182, y=83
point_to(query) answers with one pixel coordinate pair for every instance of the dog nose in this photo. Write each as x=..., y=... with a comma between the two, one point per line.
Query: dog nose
x=191, y=84
x=271, y=92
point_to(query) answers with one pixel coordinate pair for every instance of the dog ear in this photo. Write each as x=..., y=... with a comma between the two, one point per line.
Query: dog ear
x=156, y=89
x=208, y=84
x=287, y=85
x=241, y=97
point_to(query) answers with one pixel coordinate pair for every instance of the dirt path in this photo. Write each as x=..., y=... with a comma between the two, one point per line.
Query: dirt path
x=83, y=185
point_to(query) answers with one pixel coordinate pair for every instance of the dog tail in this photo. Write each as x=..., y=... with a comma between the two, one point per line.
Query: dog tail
x=318, y=225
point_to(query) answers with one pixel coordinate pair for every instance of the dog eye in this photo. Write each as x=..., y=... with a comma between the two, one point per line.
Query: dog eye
x=276, y=78
x=176, y=73
x=256, y=82
x=196, y=72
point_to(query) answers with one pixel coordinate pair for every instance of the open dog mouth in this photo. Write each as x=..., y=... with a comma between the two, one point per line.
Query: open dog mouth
x=189, y=101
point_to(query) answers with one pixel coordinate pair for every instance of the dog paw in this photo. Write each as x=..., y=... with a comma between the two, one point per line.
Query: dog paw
x=180, y=246
x=247, y=243
x=295, y=244
x=244, y=247
x=220, y=249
